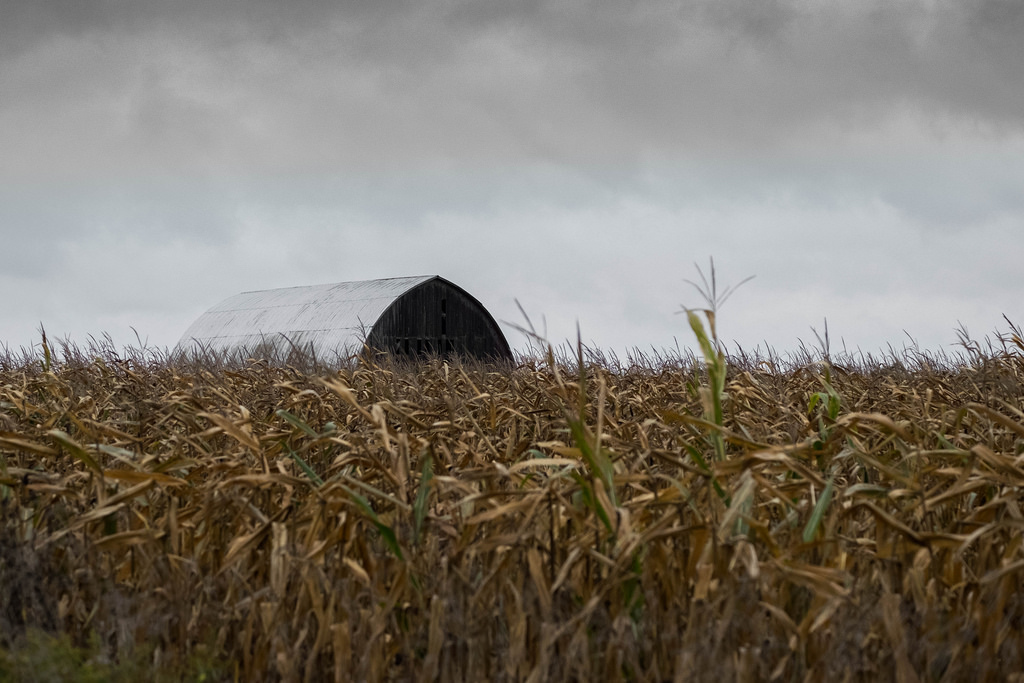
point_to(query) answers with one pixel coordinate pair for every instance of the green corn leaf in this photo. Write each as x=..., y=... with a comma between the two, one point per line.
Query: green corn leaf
x=702, y=336
x=419, y=507
x=704, y=467
x=304, y=466
x=75, y=449
x=390, y=540
x=833, y=406
x=811, y=530
x=591, y=501
x=386, y=532
x=370, y=488
x=296, y=422
x=711, y=396
x=598, y=462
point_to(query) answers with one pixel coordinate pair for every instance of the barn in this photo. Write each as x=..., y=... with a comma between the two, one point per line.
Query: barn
x=404, y=316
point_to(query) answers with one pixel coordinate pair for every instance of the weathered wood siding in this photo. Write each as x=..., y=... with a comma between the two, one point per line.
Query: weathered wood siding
x=437, y=317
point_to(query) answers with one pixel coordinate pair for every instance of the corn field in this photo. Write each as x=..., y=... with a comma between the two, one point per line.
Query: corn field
x=573, y=518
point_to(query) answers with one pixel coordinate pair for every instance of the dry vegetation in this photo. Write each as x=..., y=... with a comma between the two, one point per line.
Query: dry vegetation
x=660, y=520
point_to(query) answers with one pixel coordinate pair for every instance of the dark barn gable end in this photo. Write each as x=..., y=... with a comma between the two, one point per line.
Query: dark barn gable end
x=412, y=316
x=438, y=317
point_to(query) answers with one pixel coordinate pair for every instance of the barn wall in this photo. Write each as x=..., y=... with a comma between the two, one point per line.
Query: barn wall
x=437, y=317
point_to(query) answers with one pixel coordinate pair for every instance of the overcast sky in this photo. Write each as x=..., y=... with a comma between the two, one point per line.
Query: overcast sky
x=864, y=160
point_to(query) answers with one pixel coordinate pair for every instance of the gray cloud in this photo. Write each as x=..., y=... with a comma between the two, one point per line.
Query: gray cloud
x=266, y=87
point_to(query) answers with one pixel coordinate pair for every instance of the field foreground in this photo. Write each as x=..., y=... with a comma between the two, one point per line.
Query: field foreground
x=450, y=522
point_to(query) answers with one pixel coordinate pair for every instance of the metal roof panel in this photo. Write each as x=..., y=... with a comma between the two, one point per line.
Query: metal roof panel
x=329, y=318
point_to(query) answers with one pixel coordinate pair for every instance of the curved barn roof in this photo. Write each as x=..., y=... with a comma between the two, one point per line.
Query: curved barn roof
x=398, y=315
x=327, y=318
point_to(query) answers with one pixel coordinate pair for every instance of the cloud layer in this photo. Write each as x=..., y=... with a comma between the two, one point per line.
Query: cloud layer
x=864, y=160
